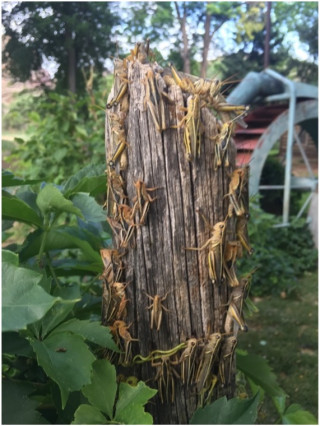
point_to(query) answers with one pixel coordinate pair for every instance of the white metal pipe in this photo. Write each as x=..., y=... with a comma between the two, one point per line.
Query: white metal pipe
x=291, y=115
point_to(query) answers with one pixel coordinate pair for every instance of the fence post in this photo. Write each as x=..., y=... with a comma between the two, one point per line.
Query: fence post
x=168, y=307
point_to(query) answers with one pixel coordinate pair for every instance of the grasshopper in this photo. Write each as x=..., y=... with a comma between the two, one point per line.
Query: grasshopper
x=165, y=376
x=202, y=87
x=118, y=151
x=156, y=312
x=207, y=357
x=192, y=131
x=187, y=361
x=120, y=301
x=143, y=199
x=233, y=314
x=209, y=390
x=236, y=188
x=215, y=255
x=153, y=107
x=120, y=330
x=140, y=52
x=118, y=230
x=242, y=233
x=184, y=83
x=158, y=353
x=121, y=82
x=118, y=129
x=111, y=258
x=126, y=214
x=233, y=250
x=226, y=357
x=108, y=273
x=221, y=144
x=120, y=94
x=116, y=192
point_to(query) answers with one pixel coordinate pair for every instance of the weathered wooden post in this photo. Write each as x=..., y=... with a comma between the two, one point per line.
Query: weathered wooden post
x=174, y=311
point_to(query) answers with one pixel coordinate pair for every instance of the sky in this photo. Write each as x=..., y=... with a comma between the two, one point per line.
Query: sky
x=300, y=51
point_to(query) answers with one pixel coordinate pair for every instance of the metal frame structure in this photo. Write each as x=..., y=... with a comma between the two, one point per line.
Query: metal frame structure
x=280, y=89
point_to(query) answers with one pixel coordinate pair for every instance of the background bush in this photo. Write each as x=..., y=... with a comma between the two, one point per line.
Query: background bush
x=282, y=253
x=65, y=133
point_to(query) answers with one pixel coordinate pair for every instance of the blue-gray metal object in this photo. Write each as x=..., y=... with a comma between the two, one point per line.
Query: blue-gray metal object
x=252, y=86
x=275, y=87
x=290, y=89
x=303, y=111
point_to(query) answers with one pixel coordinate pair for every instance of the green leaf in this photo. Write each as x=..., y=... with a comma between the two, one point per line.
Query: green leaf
x=27, y=195
x=131, y=402
x=59, y=238
x=92, y=331
x=17, y=407
x=91, y=179
x=13, y=343
x=51, y=199
x=15, y=209
x=90, y=209
x=280, y=403
x=228, y=412
x=72, y=267
x=78, y=238
x=295, y=415
x=23, y=300
x=88, y=415
x=10, y=257
x=101, y=392
x=66, y=359
x=9, y=179
x=259, y=371
x=68, y=296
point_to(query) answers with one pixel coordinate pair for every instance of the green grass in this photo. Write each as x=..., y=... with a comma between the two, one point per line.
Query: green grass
x=284, y=331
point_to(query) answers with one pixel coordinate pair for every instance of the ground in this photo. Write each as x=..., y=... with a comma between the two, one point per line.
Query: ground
x=285, y=332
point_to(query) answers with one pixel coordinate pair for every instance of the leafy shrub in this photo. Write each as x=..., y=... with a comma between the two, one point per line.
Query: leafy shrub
x=17, y=116
x=281, y=253
x=52, y=333
x=65, y=133
x=271, y=201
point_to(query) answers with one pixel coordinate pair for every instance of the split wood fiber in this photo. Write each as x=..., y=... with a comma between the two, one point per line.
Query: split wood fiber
x=150, y=258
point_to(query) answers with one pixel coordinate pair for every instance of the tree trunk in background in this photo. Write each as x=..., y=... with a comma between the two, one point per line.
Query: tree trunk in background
x=155, y=261
x=206, y=42
x=71, y=62
x=185, y=49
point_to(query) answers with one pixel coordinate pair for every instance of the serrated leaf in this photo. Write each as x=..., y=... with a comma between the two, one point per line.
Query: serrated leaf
x=15, y=209
x=131, y=402
x=17, y=407
x=296, y=415
x=92, y=331
x=101, y=392
x=228, y=412
x=88, y=415
x=259, y=371
x=66, y=359
x=90, y=179
x=90, y=209
x=23, y=300
x=51, y=199
x=10, y=257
